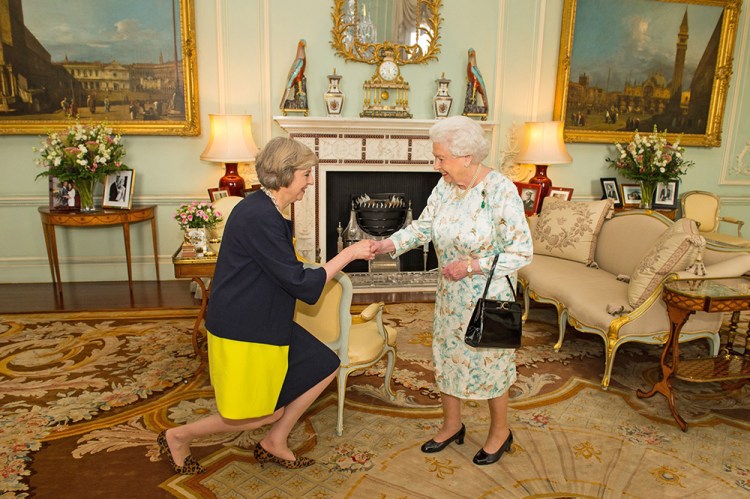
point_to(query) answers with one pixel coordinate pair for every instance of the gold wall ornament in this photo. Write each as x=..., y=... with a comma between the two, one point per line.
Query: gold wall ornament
x=692, y=107
x=386, y=93
x=361, y=30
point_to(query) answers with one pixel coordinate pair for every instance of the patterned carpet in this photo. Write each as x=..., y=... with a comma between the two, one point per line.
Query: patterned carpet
x=83, y=396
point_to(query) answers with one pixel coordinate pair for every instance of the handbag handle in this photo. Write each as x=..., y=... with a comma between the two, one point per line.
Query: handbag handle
x=489, y=279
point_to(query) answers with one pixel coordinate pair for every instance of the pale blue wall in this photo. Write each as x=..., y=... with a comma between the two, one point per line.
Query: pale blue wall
x=517, y=44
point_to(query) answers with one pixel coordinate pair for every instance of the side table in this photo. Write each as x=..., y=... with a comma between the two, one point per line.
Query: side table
x=196, y=269
x=101, y=218
x=683, y=298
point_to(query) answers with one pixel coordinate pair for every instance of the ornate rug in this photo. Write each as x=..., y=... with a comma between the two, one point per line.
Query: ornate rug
x=84, y=395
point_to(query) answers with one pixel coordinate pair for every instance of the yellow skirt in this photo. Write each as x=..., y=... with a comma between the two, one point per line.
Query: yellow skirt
x=247, y=377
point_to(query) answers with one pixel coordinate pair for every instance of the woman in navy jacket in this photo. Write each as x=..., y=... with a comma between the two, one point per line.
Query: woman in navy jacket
x=265, y=368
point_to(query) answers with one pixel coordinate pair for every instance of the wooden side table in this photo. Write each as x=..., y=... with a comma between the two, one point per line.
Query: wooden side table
x=196, y=269
x=683, y=298
x=101, y=218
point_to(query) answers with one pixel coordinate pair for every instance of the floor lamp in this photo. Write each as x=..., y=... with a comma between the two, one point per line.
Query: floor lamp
x=231, y=142
x=543, y=145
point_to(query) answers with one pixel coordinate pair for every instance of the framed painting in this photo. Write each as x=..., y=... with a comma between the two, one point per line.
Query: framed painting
x=665, y=195
x=610, y=190
x=530, y=195
x=131, y=64
x=63, y=195
x=634, y=65
x=631, y=195
x=118, y=190
x=564, y=193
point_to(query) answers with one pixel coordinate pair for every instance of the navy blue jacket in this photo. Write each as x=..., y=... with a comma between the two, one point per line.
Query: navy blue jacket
x=258, y=277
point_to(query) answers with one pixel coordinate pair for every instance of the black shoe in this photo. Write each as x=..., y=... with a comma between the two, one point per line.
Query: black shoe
x=481, y=458
x=432, y=446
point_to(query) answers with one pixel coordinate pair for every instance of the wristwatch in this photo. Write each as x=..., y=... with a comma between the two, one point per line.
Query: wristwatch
x=469, y=270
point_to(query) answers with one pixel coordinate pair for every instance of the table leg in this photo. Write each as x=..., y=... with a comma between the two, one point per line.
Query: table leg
x=54, y=262
x=156, y=251
x=677, y=319
x=201, y=315
x=126, y=235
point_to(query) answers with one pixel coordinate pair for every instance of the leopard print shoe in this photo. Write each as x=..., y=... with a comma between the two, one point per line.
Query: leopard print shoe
x=263, y=456
x=189, y=467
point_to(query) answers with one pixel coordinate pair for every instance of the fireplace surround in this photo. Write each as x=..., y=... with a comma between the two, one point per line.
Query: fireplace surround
x=359, y=155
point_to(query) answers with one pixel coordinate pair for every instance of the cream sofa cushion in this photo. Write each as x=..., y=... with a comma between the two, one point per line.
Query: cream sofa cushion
x=568, y=229
x=676, y=249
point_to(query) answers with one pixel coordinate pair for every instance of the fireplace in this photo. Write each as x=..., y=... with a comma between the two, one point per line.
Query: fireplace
x=360, y=155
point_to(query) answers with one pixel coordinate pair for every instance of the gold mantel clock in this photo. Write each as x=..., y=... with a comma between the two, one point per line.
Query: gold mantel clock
x=386, y=93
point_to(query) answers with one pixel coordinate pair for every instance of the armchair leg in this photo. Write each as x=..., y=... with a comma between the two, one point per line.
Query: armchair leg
x=342, y=377
x=390, y=364
x=562, y=323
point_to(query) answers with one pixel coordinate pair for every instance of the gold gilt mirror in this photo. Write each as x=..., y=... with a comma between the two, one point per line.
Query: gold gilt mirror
x=361, y=28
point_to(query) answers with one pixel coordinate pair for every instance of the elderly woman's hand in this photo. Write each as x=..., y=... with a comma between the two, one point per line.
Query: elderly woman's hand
x=456, y=271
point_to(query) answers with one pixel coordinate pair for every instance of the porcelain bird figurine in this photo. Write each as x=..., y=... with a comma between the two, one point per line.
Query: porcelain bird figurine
x=295, y=76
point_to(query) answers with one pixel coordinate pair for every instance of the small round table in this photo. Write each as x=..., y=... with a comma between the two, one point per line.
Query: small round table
x=683, y=298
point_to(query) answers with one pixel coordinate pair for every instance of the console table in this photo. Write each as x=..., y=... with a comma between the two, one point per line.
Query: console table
x=196, y=269
x=683, y=298
x=101, y=218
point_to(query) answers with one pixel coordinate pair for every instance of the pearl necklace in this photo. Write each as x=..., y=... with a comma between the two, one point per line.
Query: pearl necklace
x=460, y=194
x=273, y=199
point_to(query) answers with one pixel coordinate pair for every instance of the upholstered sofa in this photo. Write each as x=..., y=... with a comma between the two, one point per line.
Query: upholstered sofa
x=604, y=273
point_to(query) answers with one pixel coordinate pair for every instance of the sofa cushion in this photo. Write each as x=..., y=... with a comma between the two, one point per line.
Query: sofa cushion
x=675, y=250
x=568, y=229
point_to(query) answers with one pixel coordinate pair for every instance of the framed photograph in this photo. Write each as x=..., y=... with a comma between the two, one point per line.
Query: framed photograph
x=63, y=195
x=215, y=193
x=665, y=195
x=610, y=190
x=648, y=67
x=253, y=188
x=131, y=64
x=530, y=196
x=564, y=193
x=631, y=195
x=118, y=190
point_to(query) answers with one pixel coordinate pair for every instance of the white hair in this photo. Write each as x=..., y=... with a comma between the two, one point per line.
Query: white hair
x=462, y=136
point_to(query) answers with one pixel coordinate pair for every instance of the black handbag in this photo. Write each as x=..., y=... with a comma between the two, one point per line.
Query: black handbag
x=495, y=323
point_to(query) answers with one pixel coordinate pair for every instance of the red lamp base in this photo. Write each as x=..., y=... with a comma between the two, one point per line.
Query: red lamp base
x=544, y=181
x=232, y=182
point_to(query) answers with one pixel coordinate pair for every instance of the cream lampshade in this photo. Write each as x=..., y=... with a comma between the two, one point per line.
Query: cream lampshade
x=231, y=142
x=543, y=145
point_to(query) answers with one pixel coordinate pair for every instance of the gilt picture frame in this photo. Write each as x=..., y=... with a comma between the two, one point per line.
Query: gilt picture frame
x=633, y=65
x=129, y=64
x=631, y=195
x=118, y=190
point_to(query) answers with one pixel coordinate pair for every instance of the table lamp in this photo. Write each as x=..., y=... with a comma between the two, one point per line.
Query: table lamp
x=542, y=146
x=231, y=142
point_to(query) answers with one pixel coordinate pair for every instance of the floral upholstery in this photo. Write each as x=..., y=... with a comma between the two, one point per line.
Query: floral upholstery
x=676, y=249
x=569, y=229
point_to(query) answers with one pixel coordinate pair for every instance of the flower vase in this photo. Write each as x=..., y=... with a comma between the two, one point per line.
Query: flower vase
x=85, y=188
x=198, y=237
x=647, y=194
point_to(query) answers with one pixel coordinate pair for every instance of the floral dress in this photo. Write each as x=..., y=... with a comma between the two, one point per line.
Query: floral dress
x=479, y=223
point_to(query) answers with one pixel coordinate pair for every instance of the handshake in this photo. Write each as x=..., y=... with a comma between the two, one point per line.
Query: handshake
x=366, y=249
